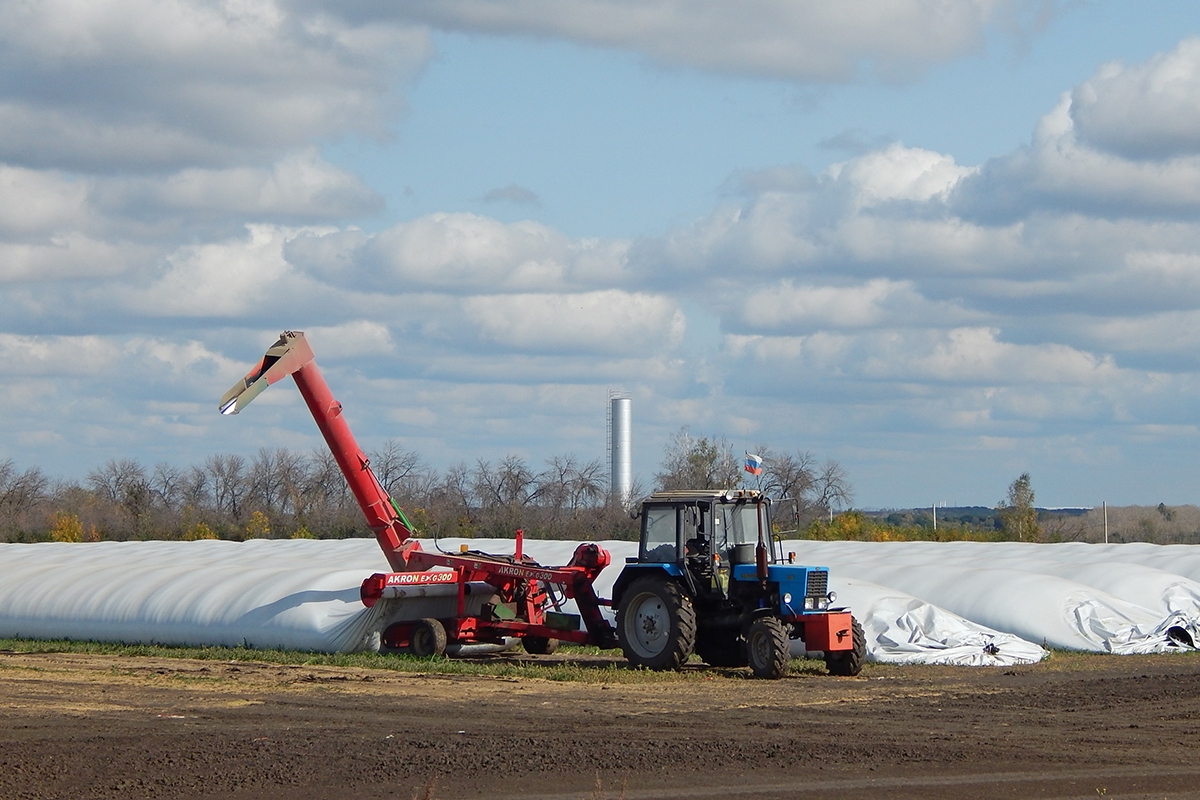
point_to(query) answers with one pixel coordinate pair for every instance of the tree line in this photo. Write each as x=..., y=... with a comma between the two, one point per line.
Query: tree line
x=282, y=493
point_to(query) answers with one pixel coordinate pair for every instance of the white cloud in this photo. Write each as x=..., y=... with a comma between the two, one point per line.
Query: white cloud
x=178, y=357
x=899, y=173
x=56, y=355
x=793, y=39
x=607, y=322
x=1059, y=171
x=875, y=303
x=40, y=202
x=355, y=339
x=225, y=279
x=1149, y=110
x=144, y=84
x=299, y=184
x=71, y=255
x=461, y=253
x=968, y=355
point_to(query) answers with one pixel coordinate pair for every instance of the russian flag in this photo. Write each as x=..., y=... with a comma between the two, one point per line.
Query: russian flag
x=753, y=464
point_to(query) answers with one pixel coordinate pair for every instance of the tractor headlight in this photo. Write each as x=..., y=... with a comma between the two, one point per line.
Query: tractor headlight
x=823, y=603
x=832, y=597
x=809, y=603
x=787, y=599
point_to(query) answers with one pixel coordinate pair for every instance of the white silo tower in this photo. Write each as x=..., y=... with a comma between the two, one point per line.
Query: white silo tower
x=620, y=447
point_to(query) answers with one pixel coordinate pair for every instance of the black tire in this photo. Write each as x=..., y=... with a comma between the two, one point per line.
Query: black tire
x=428, y=638
x=656, y=624
x=721, y=648
x=539, y=645
x=849, y=662
x=767, y=648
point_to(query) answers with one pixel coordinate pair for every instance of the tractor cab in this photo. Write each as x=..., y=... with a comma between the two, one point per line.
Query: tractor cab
x=699, y=536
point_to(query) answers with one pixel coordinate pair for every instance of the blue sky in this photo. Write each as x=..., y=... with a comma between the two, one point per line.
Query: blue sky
x=942, y=244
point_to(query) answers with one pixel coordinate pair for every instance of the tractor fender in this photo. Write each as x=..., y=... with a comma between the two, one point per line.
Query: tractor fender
x=757, y=613
x=634, y=571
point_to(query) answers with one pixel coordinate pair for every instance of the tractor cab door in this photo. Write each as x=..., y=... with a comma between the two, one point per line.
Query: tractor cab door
x=737, y=527
x=660, y=535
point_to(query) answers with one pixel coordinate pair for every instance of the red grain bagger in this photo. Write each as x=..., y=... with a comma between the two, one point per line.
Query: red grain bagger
x=446, y=600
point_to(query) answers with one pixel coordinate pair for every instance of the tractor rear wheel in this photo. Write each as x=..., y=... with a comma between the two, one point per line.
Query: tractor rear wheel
x=767, y=648
x=849, y=662
x=428, y=638
x=539, y=645
x=656, y=624
x=721, y=648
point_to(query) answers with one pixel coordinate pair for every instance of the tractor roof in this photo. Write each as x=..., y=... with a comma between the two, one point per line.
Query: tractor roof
x=709, y=495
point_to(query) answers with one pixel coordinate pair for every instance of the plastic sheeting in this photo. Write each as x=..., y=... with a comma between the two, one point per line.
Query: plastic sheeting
x=1074, y=596
x=262, y=594
x=920, y=602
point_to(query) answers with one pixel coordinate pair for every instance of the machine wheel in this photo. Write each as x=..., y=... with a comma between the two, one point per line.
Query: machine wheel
x=767, y=648
x=428, y=638
x=849, y=662
x=721, y=648
x=539, y=645
x=656, y=624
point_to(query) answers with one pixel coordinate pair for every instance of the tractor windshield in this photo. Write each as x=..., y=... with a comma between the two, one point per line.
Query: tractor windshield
x=737, y=524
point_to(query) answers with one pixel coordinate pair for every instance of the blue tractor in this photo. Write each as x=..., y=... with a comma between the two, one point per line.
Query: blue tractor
x=708, y=580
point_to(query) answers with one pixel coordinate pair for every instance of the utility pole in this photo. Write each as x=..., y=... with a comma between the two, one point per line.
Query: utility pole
x=1105, y=502
x=935, y=517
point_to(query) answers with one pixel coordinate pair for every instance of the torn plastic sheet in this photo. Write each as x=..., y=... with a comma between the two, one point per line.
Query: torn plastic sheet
x=1074, y=596
x=902, y=629
x=918, y=602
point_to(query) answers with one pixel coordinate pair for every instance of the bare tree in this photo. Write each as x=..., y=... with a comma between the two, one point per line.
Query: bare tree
x=510, y=484
x=451, y=511
x=264, y=491
x=831, y=488
x=123, y=483
x=325, y=489
x=786, y=475
x=588, y=486
x=167, y=486
x=195, y=488
x=228, y=481
x=698, y=463
x=401, y=472
x=20, y=490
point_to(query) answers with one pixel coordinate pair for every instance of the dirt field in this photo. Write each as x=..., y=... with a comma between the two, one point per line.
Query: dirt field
x=81, y=726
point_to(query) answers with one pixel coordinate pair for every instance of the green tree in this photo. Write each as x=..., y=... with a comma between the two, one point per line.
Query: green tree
x=67, y=528
x=1018, y=517
x=259, y=526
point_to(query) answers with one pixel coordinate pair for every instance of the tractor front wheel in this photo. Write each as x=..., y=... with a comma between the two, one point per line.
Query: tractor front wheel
x=767, y=647
x=428, y=638
x=656, y=624
x=849, y=662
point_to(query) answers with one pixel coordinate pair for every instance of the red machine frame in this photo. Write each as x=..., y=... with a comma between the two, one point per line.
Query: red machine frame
x=523, y=586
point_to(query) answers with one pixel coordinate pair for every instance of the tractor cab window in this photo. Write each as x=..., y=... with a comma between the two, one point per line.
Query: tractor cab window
x=659, y=534
x=737, y=523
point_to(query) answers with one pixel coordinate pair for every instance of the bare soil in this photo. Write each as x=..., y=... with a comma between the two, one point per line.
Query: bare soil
x=85, y=726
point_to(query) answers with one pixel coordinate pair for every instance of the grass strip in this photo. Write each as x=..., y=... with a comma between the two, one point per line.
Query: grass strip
x=561, y=668
x=572, y=663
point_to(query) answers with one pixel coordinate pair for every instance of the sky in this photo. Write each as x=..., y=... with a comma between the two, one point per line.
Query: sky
x=942, y=243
